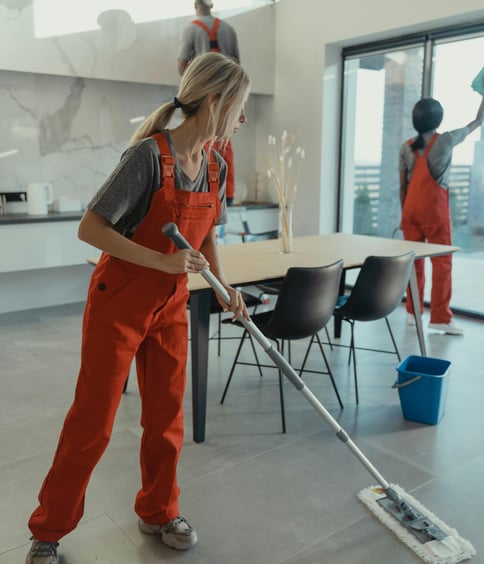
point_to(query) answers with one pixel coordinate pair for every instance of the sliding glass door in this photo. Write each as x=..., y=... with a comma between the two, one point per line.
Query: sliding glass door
x=381, y=85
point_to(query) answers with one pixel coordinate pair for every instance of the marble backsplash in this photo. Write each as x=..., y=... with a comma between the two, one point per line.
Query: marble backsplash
x=68, y=131
x=135, y=42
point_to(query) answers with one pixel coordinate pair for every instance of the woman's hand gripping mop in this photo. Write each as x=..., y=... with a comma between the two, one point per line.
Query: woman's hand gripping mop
x=429, y=537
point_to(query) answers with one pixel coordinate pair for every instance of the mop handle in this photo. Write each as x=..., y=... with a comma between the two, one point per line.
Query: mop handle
x=171, y=231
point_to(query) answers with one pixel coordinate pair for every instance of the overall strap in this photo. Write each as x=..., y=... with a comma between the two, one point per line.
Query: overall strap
x=167, y=161
x=213, y=173
x=427, y=148
x=212, y=33
x=430, y=145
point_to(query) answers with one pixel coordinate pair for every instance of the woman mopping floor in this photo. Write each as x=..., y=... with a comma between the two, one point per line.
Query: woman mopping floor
x=137, y=298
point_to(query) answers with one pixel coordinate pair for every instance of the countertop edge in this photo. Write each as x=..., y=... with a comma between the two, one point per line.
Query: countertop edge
x=19, y=218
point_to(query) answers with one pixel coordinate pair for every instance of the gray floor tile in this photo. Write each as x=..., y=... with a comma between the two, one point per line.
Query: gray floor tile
x=254, y=495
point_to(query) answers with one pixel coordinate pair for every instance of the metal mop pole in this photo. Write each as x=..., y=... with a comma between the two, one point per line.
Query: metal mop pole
x=429, y=538
x=171, y=231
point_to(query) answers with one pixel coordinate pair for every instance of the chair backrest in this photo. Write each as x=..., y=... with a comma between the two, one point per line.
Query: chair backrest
x=379, y=287
x=305, y=302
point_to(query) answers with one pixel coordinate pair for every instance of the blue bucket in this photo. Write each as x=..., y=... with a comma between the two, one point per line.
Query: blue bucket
x=422, y=386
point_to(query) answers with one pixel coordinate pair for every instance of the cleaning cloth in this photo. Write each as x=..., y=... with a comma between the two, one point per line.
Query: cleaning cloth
x=477, y=82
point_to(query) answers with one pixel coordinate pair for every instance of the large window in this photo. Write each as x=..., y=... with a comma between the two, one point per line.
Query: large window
x=381, y=85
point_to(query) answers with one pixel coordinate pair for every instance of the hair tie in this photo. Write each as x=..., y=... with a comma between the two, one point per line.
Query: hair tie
x=177, y=103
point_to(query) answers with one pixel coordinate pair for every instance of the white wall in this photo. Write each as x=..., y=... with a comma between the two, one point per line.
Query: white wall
x=309, y=38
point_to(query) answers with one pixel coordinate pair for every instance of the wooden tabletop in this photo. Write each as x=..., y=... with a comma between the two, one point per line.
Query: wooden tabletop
x=247, y=263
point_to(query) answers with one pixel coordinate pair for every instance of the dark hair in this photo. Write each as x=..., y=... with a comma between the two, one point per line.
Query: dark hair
x=426, y=116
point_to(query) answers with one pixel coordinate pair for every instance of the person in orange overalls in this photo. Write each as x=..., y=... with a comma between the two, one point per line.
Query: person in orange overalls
x=208, y=33
x=136, y=305
x=424, y=196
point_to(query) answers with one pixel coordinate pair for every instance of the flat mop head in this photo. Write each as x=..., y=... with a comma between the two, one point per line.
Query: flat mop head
x=430, y=538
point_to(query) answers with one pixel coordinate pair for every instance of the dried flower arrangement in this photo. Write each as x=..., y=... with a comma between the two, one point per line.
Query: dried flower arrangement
x=283, y=163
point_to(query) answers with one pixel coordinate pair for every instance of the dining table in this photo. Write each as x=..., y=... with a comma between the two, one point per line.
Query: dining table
x=247, y=264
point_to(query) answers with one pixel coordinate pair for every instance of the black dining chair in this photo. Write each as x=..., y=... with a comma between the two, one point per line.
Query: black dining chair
x=377, y=292
x=304, y=305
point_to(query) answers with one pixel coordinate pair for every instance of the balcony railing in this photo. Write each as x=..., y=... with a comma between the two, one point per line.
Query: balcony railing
x=367, y=197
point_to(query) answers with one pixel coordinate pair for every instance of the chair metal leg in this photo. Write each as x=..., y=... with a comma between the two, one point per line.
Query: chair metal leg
x=245, y=333
x=397, y=352
x=330, y=343
x=281, y=393
x=316, y=338
x=301, y=370
x=330, y=373
x=352, y=345
x=351, y=352
x=219, y=332
x=254, y=350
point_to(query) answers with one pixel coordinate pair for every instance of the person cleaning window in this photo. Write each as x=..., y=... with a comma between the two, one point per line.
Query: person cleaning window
x=136, y=305
x=424, y=196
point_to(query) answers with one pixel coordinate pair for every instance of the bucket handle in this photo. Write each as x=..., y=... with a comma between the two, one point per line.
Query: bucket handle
x=407, y=382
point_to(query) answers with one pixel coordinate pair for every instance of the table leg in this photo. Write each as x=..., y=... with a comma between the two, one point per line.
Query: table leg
x=199, y=324
x=416, y=309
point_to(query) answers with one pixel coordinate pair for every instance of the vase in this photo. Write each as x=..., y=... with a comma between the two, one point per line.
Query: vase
x=285, y=228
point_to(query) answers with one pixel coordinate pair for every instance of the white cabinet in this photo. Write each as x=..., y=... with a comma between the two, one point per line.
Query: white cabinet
x=31, y=246
x=43, y=263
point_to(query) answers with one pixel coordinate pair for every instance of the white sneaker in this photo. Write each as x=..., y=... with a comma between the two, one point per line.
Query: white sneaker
x=42, y=552
x=447, y=328
x=410, y=319
x=177, y=534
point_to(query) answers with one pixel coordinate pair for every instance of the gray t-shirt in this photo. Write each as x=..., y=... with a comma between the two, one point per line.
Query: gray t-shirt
x=195, y=40
x=439, y=157
x=125, y=197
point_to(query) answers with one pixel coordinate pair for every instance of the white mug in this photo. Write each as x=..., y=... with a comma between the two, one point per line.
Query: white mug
x=39, y=196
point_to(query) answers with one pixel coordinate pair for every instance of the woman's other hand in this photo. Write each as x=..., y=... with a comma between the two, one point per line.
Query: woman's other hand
x=237, y=304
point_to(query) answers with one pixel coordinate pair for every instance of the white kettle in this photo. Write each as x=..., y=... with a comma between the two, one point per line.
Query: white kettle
x=39, y=196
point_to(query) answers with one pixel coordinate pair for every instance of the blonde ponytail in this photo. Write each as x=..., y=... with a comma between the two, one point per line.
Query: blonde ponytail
x=155, y=122
x=209, y=73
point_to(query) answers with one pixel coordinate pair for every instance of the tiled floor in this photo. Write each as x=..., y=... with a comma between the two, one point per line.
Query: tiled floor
x=254, y=495
x=467, y=269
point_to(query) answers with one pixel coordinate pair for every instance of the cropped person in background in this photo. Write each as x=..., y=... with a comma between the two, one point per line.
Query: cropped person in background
x=136, y=306
x=424, y=196
x=208, y=33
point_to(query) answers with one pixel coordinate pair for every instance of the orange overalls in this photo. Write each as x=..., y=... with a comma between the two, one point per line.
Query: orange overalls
x=131, y=311
x=426, y=217
x=227, y=151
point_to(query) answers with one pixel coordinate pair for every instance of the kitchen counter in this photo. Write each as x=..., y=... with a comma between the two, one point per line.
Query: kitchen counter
x=45, y=253
x=16, y=218
x=253, y=206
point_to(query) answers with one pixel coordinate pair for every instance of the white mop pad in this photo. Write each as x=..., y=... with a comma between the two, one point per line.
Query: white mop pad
x=450, y=550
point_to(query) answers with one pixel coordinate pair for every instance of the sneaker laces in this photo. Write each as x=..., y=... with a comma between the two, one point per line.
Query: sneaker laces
x=44, y=549
x=179, y=521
